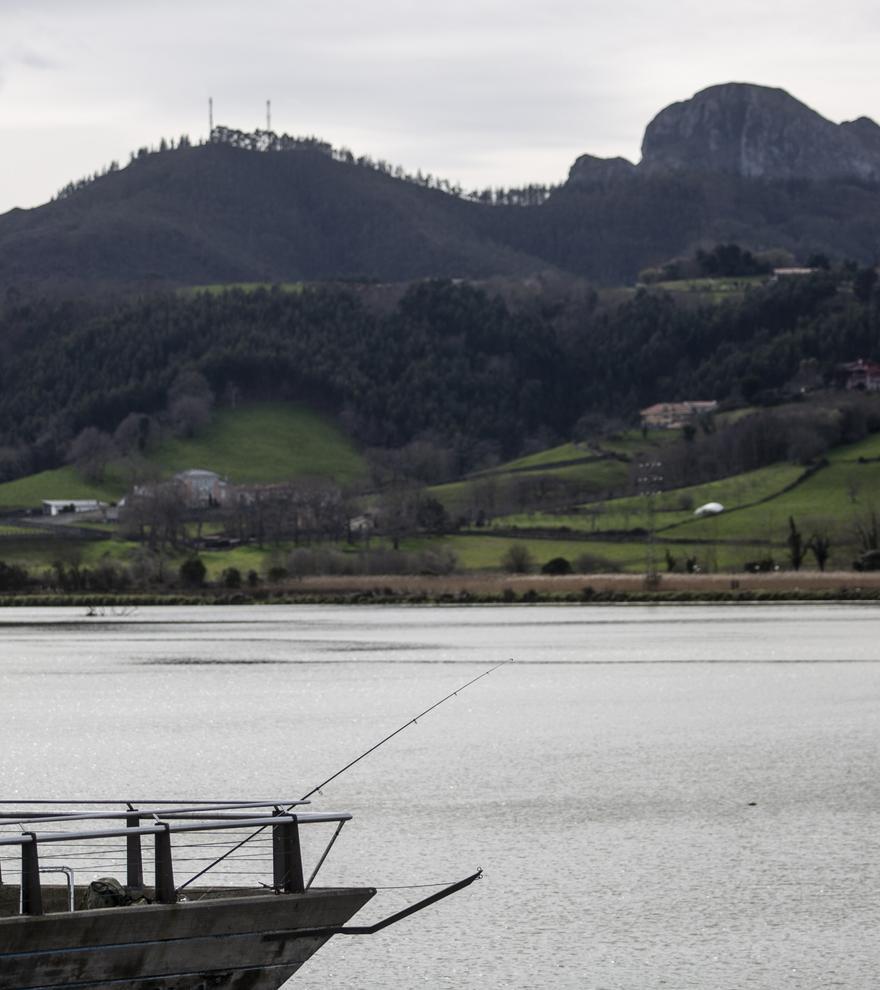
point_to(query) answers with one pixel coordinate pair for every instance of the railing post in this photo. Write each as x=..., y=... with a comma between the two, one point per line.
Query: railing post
x=287, y=867
x=133, y=854
x=31, y=889
x=165, y=892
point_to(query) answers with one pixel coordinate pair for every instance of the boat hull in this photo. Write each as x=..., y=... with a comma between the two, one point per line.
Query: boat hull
x=219, y=943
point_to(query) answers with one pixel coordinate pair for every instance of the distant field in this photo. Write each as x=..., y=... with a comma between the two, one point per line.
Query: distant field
x=257, y=443
x=61, y=483
x=485, y=552
x=593, y=478
x=712, y=285
x=243, y=287
x=264, y=443
x=19, y=532
x=867, y=448
x=834, y=500
x=670, y=508
x=565, y=452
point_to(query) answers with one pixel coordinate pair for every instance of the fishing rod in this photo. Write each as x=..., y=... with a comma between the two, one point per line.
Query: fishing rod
x=316, y=790
x=406, y=725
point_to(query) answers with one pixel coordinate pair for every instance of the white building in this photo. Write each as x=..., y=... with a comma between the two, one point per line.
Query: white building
x=57, y=506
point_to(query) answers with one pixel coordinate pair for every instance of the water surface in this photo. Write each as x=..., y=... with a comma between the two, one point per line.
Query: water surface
x=660, y=796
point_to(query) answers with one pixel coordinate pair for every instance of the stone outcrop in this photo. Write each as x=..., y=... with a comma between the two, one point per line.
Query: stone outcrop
x=600, y=172
x=757, y=132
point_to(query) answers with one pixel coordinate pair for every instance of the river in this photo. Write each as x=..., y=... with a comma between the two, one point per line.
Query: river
x=660, y=796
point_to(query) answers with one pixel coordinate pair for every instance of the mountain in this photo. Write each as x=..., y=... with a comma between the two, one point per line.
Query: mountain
x=759, y=133
x=737, y=162
x=216, y=213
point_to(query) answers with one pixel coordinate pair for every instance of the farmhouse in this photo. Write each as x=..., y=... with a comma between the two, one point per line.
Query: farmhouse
x=201, y=487
x=779, y=273
x=57, y=506
x=862, y=376
x=673, y=415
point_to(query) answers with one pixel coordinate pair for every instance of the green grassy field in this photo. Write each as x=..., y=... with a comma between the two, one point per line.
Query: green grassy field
x=61, y=483
x=485, y=552
x=265, y=442
x=20, y=532
x=867, y=448
x=544, y=458
x=242, y=287
x=592, y=478
x=670, y=508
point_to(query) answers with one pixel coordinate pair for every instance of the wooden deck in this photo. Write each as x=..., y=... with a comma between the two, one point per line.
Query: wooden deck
x=231, y=940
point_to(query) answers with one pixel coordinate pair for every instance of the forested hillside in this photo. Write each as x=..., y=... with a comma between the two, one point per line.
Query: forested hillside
x=480, y=376
x=270, y=208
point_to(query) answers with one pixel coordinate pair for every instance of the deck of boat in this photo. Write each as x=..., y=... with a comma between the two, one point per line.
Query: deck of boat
x=230, y=939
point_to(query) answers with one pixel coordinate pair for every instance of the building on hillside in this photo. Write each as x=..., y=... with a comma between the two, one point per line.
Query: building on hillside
x=673, y=415
x=61, y=506
x=201, y=488
x=861, y=376
x=779, y=273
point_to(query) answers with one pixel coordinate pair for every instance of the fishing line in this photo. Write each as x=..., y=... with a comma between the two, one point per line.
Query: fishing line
x=348, y=766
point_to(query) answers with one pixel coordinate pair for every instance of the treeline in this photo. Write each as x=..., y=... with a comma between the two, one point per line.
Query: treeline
x=533, y=194
x=480, y=377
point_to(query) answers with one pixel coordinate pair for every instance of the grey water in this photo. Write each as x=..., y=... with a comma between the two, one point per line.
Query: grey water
x=666, y=796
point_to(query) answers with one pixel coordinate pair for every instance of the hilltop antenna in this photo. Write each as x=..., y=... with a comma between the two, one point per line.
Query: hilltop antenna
x=210, y=116
x=268, y=115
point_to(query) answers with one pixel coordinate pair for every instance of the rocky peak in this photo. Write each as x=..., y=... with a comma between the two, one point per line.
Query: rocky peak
x=588, y=170
x=758, y=132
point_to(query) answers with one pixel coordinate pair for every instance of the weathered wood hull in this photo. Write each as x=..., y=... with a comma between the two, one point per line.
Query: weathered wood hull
x=221, y=943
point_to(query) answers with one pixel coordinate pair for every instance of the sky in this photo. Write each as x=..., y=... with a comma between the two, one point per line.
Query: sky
x=483, y=92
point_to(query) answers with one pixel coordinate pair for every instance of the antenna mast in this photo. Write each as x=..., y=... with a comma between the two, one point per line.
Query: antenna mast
x=268, y=115
x=210, y=117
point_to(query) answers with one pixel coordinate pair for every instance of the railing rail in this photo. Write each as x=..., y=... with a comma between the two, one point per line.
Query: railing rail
x=305, y=818
x=163, y=823
x=171, y=810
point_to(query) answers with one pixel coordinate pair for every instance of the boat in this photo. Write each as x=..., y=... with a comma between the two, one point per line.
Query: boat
x=208, y=930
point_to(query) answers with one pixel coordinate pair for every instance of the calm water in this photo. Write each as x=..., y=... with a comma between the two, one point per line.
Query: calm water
x=605, y=782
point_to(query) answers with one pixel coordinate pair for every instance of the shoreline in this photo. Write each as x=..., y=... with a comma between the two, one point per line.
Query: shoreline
x=487, y=589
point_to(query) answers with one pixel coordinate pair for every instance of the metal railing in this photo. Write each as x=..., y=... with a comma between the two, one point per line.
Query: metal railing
x=88, y=847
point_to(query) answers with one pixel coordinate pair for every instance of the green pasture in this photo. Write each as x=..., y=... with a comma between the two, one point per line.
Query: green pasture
x=266, y=443
x=670, y=508
x=39, y=552
x=19, y=532
x=261, y=443
x=593, y=478
x=220, y=288
x=564, y=452
x=868, y=448
x=835, y=499
x=62, y=482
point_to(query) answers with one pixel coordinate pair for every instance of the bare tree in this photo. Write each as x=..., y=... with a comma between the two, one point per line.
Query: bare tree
x=190, y=400
x=91, y=452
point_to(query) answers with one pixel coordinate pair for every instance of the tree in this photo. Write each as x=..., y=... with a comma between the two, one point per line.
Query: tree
x=189, y=403
x=91, y=452
x=820, y=545
x=192, y=572
x=557, y=565
x=431, y=516
x=864, y=283
x=517, y=559
x=232, y=578
x=136, y=434
x=867, y=526
x=795, y=542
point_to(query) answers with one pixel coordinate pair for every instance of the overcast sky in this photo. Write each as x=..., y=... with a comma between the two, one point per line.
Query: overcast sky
x=480, y=91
